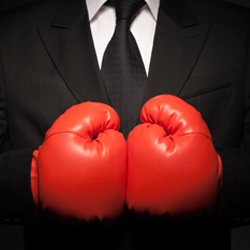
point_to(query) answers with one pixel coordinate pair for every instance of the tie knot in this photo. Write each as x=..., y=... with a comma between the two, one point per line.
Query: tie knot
x=127, y=9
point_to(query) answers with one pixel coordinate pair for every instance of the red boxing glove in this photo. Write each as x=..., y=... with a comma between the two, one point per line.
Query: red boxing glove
x=173, y=167
x=79, y=172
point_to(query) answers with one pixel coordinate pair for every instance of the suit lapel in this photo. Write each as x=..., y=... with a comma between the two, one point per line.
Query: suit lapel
x=69, y=43
x=179, y=40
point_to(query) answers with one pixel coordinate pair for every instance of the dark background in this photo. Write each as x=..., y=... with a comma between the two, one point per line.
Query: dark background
x=11, y=237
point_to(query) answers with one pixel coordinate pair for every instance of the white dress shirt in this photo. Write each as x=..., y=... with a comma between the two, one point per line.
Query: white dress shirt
x=102, y=23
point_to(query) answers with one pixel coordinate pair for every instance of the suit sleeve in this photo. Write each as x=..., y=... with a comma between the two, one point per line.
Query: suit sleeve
x=234, y=202
x=17, y=205
x=233, y=206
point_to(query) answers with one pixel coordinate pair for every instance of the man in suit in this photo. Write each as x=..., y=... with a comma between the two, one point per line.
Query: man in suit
x=49, y=63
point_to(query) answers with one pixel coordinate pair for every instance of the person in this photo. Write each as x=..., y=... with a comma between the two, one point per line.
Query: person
x=50, y=61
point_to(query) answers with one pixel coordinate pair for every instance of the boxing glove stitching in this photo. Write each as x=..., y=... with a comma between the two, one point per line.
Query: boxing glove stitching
x=193, y=133
x=69, y=132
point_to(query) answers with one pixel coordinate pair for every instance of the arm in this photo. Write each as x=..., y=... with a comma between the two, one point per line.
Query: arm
x=16, y=199
x=233, y=206
x=234, y=202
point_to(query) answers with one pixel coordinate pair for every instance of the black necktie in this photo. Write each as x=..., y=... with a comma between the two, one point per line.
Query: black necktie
x=122, y=67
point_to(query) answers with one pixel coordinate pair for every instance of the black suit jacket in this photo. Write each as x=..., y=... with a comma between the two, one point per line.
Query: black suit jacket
x=48, y=64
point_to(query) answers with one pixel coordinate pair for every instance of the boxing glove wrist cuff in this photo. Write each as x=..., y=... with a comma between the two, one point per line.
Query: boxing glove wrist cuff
x=33, y=177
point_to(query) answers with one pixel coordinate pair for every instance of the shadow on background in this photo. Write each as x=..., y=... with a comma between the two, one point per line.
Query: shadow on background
x=241, y=238
x=12, y=238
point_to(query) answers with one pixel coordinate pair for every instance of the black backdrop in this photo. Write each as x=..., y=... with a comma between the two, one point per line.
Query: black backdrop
x=11, y=236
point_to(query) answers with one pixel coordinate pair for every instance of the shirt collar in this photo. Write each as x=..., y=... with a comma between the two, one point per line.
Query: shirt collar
x=93, y=7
